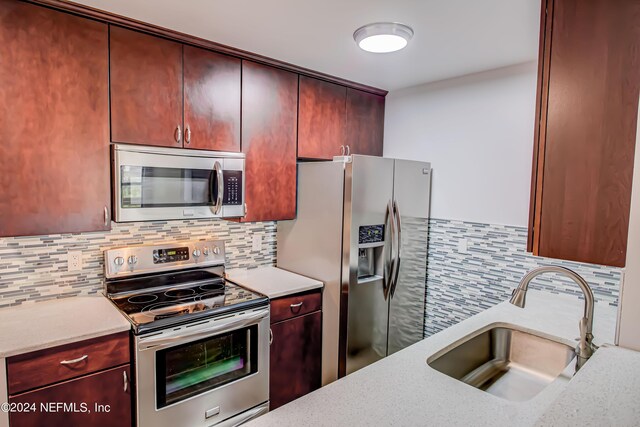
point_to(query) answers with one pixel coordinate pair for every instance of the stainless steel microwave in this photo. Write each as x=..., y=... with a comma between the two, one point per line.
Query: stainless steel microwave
x=154, y=183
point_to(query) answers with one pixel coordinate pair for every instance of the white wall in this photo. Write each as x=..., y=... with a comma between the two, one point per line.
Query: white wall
x=477, y=132
x=628, y=334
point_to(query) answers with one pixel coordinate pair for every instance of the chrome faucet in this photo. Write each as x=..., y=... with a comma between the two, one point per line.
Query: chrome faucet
x=585, y=348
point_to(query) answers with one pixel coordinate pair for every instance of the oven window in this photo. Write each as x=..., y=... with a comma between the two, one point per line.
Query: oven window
x=148, y=187
x=196, y=367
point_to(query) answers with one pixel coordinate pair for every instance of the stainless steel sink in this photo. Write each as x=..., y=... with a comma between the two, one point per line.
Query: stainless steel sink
x=508, y=363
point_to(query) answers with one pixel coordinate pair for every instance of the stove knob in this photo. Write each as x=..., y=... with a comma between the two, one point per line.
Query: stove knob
x=216, y=250
x=206, y=251
x=118, y=260
x=196, y=253
x=132, y=260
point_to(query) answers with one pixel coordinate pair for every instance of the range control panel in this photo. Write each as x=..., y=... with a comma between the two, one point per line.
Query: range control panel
x=232, y=188
x=160, y=256
x=371, y=234
x=136, y=260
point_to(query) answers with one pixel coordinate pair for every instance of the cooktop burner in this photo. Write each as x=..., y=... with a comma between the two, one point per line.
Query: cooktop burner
x=179, y=293
x=142, y=299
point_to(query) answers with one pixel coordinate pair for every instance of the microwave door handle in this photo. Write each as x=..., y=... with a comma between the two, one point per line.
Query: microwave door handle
x=217, y=168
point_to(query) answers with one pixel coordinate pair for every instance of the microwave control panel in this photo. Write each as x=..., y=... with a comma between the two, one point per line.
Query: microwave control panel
x=232, y=188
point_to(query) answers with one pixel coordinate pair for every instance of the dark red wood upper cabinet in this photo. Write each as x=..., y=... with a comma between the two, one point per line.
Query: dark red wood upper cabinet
x=295, y=358
x=211, y=100
x=146, y=89
x=587, y=114
x=321, y=119
x=54, y=122
x=111, y=389
x=365, y=122
x=269, y=129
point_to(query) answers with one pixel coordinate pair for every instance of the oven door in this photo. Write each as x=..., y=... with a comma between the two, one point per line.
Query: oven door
x=152, y=183
x=203, y=373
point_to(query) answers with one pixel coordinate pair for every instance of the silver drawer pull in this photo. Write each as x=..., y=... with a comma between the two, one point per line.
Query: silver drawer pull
x=297, y=305
x=126, y=380
x=72, y=361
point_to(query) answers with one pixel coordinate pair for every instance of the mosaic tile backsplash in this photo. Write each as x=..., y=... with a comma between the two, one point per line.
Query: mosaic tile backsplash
x=35, y=268
x=460, y=285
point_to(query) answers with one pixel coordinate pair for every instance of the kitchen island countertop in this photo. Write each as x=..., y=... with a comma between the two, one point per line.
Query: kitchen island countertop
x=402, y=390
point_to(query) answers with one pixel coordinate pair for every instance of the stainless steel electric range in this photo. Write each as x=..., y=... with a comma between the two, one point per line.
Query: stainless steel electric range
x=201, y=343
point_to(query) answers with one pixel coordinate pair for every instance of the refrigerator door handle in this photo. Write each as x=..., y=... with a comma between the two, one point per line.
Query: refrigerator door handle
x=398, y=234
x=388, y=257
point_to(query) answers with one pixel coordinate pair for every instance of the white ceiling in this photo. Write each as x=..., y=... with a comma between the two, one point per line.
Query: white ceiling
x=452, y=37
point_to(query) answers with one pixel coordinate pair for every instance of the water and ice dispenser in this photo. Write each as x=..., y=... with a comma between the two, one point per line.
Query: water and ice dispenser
x=370, y=252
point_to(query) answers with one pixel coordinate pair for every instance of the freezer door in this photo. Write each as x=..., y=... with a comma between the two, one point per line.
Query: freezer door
x=412, y=188
x=368, y=191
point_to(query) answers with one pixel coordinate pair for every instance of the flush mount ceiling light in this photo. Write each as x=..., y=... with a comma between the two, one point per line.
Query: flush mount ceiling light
x=383, y=37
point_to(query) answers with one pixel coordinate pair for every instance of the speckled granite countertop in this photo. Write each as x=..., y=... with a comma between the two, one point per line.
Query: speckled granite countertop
x=34, y=326
x=402, y=390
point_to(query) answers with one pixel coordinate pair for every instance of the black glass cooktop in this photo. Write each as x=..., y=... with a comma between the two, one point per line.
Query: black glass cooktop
x=174, y=298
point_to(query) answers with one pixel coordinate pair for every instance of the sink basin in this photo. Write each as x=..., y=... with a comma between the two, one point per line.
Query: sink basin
x=507, y=363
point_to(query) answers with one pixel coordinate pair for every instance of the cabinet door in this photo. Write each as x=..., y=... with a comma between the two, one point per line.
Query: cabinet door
x=146, y=89
x=106, y=397
x=269, y=128
x=322, y=119
x=211, y=100
x=365, y=122
x=54, y=122
x=296, y=358
x=583, y=162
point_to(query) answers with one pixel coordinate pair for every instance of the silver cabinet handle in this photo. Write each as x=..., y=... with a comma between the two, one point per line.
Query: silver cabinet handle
x=187, y=134
x=342, y=150
x=246, y=211
x=106, y=216
x=178, y=134
x=74, y=361
x=348, y=150
x=270, y=336
x=297, y=305
x=126, y=380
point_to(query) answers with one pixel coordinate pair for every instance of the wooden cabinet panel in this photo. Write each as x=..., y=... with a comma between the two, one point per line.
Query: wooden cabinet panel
x=296, y=358
x=108, y=388
x=146, y=88
x=44, y=367
x=365, y=122
x=211, y=100
x=54, y=122
x=296, y=305
x=269, y=129
x=585, y=151
x=322, y=119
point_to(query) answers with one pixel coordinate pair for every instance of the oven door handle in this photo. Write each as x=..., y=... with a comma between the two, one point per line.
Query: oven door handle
x=219, y=327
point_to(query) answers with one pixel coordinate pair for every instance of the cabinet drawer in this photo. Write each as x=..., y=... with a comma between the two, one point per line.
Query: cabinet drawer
x=296, y=305
x=96, y=400
x=44, y=367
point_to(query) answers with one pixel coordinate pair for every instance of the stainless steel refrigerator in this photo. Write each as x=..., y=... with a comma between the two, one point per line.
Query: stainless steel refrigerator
x=362, y=228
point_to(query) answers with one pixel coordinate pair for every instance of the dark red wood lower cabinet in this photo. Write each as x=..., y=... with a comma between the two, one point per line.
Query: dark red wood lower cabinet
x=296, y=358
x=102, y=399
